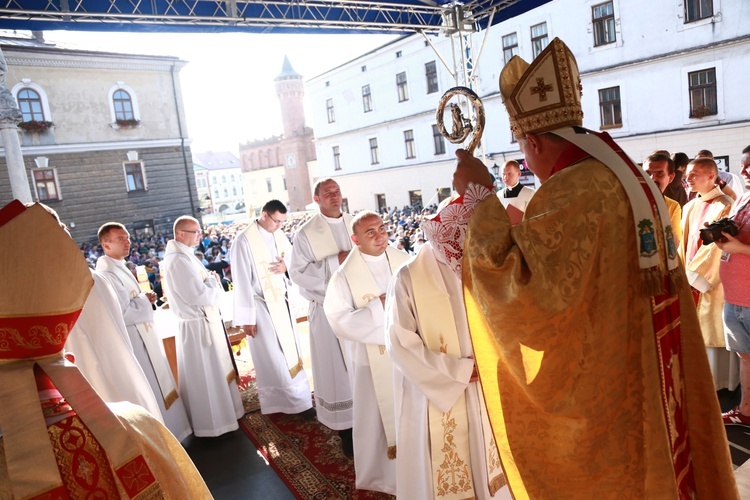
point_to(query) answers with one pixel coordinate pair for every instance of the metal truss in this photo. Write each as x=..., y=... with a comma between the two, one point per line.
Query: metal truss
x=359, y=16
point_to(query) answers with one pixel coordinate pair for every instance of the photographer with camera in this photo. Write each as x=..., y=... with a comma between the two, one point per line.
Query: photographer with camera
x=702, y=264
x=734, y=271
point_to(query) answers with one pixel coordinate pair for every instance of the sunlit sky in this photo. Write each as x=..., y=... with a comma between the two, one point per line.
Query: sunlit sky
x=227, y=85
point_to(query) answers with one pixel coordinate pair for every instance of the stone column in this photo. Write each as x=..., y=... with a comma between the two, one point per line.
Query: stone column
x=10, y=117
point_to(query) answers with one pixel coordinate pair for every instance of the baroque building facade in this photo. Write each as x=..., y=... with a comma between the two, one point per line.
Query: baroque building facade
x=103, y=136
x=290, y=153
x=669, y=79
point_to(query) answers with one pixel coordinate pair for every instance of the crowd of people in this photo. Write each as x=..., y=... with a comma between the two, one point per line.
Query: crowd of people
x=562, y=343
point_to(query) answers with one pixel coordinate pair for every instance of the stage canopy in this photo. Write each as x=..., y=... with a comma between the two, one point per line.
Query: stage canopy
x=302, y=16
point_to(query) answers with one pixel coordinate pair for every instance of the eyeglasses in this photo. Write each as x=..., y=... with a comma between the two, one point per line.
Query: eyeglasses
x=194, y=232
x=276, y=221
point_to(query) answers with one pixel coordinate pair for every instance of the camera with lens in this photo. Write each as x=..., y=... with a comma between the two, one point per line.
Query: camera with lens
x=712, y=232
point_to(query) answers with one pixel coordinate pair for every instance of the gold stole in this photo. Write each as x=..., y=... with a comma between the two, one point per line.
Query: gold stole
x=320, y=236
x=146, y=331
x=274, y=293
x=449, y=432
x=364, y=289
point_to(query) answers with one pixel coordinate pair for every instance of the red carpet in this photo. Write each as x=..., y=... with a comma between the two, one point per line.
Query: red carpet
x=306, y=455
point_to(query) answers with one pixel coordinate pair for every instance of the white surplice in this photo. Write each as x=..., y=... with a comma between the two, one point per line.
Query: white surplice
x=423, y=376
x=203, y=361
x=278, y=392
x=104, y=354
x=333, y=395
x=138, y=311
x=356, y=328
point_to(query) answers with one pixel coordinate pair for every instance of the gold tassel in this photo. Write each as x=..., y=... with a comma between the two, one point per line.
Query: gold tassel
x=652, y=282
x=296, y=368
x=171, y=398
x=392, y=452
x=675, y=280
x=496, y=483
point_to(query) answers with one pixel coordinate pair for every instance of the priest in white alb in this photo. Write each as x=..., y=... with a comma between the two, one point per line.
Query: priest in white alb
x=446, y=449
x=354, y=307
x=206, y=372
x=259, y=257
x=138, y=313
x=320, y=246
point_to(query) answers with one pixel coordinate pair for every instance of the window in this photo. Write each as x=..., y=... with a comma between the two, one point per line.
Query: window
x=135, y=177
x=364, y=68
x=336, y=158
x=234, y=190
x=366, y=98
x=609, y=107
x=45, y=181
x=398, y=54
x=702, y=87
x=430, y=71
x=216, y=192
x=269, y=184
x=539, y=38
x=603, y=19
x=415, y=199
x=443, y=194
x=409, y=143
x=438, y=140
x=510, y=46
x=380, y=200
x=226, y=193
x=223, y=179
x=698, y=9
x=231, y=178
x=374, y=157
x=30, y=104
x=329, y=109
x=403, y=91
x=123, y=105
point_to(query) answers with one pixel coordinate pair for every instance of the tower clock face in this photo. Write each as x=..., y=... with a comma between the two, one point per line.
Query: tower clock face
x=291, y=160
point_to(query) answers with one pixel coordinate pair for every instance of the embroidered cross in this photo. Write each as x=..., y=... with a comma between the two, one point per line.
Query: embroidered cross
x=541, y=89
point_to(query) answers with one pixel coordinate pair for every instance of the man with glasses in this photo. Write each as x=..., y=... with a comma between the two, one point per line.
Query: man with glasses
x=207, y=377
x=259, y=256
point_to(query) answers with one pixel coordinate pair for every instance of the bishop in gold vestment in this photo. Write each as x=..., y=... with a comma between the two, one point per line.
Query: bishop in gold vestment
x=593, y=365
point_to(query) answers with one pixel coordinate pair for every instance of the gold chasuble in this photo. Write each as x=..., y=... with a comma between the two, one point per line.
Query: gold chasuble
x=585, y=335
x=60, y=440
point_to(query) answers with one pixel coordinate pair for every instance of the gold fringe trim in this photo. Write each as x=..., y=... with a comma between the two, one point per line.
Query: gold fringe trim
x=293, y=371
x=392, y=452
x=232, y=376
x=496, y=483
x=675, y=280
x=170, y=398
x=652, y=282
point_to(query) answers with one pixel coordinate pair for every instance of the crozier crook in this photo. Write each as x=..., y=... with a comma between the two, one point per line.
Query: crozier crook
x=462, y=126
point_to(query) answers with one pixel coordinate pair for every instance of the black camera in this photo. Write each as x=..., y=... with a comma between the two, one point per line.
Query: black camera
x=713, y=231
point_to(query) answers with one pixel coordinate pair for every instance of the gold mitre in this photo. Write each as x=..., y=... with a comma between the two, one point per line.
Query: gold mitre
x=43, y=285
x=544, y=95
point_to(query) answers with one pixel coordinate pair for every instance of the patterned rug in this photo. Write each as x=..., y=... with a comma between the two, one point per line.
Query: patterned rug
x=305, y=454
